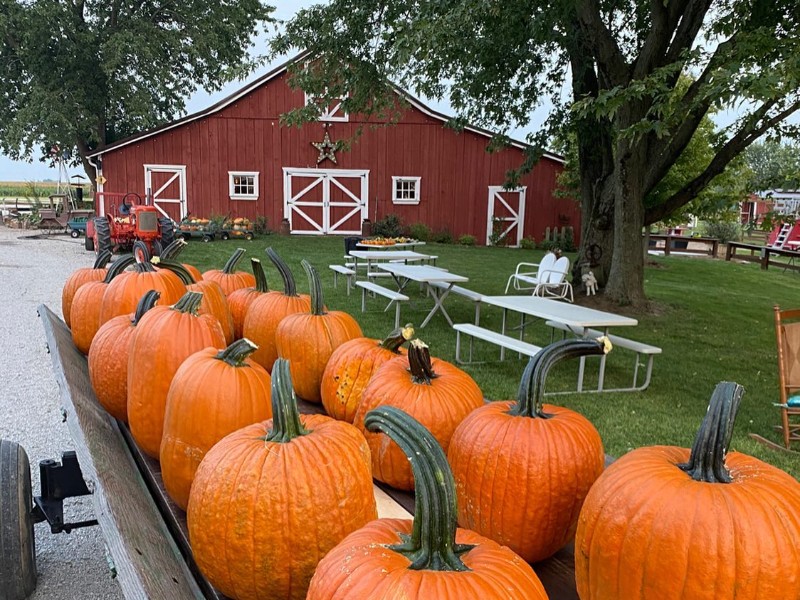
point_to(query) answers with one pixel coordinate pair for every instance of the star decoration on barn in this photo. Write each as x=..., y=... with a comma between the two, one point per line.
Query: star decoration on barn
x=327, y=148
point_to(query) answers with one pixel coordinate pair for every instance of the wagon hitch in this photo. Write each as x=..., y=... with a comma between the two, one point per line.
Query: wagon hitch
x=59, y=481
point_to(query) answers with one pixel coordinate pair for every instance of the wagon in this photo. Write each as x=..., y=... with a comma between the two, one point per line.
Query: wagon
x=144, y=530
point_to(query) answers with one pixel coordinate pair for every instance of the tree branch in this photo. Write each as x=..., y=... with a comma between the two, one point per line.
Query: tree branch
x=604, y=47
x=689, y=27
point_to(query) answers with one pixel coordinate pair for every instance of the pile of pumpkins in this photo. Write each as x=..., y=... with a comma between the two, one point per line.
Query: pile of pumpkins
x=206, y=370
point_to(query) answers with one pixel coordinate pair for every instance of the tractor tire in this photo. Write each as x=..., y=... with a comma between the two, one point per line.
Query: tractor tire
x=88, y=243
x=18, y=562
x=167, y=230
x=102, y=235
x=157, y=247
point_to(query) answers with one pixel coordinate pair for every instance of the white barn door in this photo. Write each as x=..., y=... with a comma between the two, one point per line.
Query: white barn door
x=321, y=201
x=167, y=184
x=506, y=214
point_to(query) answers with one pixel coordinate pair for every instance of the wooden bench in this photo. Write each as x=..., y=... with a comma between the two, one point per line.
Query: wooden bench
x=394, y=297
x=620, y=342
x=475, y=297
x=343, y=270
x=493, y=337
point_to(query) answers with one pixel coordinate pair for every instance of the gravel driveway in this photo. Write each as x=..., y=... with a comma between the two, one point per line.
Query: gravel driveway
x=33, y=271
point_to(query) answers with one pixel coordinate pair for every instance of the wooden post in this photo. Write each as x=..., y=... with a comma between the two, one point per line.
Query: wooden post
x=764, y=259
x=667, y=244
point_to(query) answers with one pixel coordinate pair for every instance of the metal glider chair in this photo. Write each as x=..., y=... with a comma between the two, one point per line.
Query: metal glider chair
x=549, y=281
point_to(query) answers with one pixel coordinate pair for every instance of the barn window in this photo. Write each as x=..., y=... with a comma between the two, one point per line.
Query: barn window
x=243, y=185
x=331, y=112
x=405, y=190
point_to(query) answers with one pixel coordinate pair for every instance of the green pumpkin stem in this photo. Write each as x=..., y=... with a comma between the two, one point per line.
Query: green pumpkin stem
x=707, y=458
x=531, y=386
x=261, y=277
x=289, y=285
x=397, y=338
x=315, y=287
x=286, y=423
x=172, y=250
x=102, y=259
x=118, y=266
x=237, y=352
x=419, y=362
x=189, y=303
x=432, y=543
x=230, y=266
x=182, y=272
x=146, y=302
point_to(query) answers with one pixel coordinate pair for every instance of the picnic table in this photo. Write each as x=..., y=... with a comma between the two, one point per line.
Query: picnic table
x=377, y=256
x=397, y=245
x=425, y=275
x=145, y=531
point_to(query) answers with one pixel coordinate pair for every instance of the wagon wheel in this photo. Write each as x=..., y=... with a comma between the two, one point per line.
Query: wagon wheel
x=18, y=562
x=593, y=254
x=74, y=233
x=167, y=230
x=248, y=236
x=225, y=235
x=102, y=235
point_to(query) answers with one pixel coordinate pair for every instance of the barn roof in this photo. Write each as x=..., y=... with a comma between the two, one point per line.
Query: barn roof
x=256, y=83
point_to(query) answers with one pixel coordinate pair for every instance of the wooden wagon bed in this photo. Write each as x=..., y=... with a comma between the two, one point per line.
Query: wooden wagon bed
x=144, y=530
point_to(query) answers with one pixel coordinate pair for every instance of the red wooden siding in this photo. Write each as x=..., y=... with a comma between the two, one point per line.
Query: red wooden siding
x=455, y=169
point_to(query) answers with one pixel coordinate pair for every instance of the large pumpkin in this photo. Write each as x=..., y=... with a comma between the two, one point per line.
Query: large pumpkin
x=228, y=277
x=164, y=338
x=434, y=392
x=239, y=300
x=307, y=340
x=97, y=272
x=87, y=303
x=213, y=393
x=352, y=365
x=268, y=310
x=108, y=358
x=123, y=294
x=270, y=500
x=673, y=523
x=427, y=558
x=522, y=469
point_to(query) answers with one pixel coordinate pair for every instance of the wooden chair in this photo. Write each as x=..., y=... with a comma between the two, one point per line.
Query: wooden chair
x=787, y=332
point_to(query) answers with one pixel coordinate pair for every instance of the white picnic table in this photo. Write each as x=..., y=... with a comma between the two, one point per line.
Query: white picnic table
x=579, y=319
x=372, y=256
x=425, y=274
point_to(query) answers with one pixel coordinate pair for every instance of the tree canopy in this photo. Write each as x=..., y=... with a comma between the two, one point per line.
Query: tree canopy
x=621, y=62
x=773, y=165
x=79, y=74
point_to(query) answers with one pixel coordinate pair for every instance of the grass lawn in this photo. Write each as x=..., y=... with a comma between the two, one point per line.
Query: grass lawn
x=713, y=319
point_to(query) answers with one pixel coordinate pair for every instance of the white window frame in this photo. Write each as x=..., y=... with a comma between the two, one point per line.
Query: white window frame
x=235, y=196
x=396, y=180
x=333, y=113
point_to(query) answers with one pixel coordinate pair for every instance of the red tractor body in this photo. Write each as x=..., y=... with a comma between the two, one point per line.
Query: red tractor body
x=128, y=219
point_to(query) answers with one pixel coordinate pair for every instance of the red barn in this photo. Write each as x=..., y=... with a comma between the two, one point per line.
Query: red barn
x=235, y=158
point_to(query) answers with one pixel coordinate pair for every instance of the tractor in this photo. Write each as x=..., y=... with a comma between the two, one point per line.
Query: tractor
x=128, y=222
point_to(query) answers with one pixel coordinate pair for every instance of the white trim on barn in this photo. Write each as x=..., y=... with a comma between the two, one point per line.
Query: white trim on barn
x=157, y=196
x=316, y=197
x=516, y=217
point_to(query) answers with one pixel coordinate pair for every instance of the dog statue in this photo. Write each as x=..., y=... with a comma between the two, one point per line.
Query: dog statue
x=590, y=282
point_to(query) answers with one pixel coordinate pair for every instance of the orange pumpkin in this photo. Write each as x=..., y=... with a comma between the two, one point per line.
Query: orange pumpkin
x=352, y=365
x=87, y=303
x=171, y=253
x=523, y=469
x=228, y=277
x=268, y=310
x=434, y=392
x=239, y=300
x=164, y=338
x=427, y=558
x=307, y=340
x=270, y=500
x=97, y=272
x=673, y=523
x=108, y=358
x=123, y=294
x=213, y=393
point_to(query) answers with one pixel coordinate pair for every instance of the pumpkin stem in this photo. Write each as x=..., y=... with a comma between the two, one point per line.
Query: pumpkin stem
x=172, y=250
x=315, y=287
x=118, y=266
x=419, y=362
x=189, y=303
x=289, y=285
x=230, y=266
x=531, y=386
x=707, y=459
x=182, y=272
x=235, y=354
x=102, y=259
x=146, y=302
x=286, y=423
x=261, y=277
x=397, y=338
x=432, y=543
